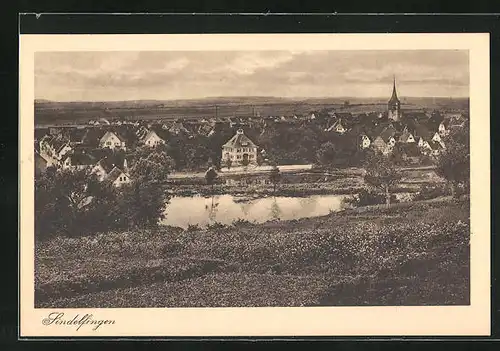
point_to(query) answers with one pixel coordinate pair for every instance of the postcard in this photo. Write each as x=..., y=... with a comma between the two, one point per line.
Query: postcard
x=254, y=185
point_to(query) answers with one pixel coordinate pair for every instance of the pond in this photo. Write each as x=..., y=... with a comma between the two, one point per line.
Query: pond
x=201, y=211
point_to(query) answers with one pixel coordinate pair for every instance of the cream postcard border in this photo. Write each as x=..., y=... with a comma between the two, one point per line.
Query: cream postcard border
x=273, y=321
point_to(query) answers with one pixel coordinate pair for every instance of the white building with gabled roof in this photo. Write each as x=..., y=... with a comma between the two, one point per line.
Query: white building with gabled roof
x=239, y=150
x=112, y=141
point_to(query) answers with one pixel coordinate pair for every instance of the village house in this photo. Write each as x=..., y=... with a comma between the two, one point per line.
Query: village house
x=177, y=128
x=107, y=163
x=411, y=152
x=77, y=136
x=337, y=127
x=436, y=148
x=406, y=137
x=443, y=128
x=142, y=131
x=424, y=143
x=429, y=147
x=103, y=121
x=205, y=129
x=117, y=177
x=239, y=150
x=112, y=141
x=78, y=161
x=437, y=138
x=385, y=141
x=365, y=141
x=152, y=139
x=54, y=147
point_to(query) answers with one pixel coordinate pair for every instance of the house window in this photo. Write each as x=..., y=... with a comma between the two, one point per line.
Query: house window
x=108, y=143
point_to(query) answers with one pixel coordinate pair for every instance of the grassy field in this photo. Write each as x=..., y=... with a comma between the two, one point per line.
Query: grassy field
x=410, y=254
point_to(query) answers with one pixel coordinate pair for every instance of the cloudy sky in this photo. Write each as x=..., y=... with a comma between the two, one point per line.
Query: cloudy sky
x=105, y=76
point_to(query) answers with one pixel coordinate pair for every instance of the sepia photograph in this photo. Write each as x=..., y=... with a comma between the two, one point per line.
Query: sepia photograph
x=251, y=178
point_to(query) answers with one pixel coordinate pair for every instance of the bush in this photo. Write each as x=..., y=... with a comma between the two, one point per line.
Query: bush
x=216, y=226
x=193, y=228
x=428, y=192
x=238, y=223
x=366, y=198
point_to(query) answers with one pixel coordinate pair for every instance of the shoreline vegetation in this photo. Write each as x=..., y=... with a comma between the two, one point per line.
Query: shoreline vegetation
x=347, y=181
x=411, y=253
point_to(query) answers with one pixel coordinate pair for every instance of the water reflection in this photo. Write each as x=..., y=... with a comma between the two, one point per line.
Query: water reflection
x=182, y=211
x=275, y=209
x=211, y=209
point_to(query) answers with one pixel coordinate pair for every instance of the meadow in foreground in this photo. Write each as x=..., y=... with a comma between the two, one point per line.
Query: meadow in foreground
x=412, y=255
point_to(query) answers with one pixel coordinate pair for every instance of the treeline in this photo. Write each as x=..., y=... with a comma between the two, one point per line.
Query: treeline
x=283, y=144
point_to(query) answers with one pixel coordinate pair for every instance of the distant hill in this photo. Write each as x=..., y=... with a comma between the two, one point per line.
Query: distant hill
x=82, y=111
x=247, y=100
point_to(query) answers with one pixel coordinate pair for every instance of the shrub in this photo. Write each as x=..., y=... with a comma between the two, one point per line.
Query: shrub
x=216, y=226
x=431, y=191
x=238, y=223
x=366, y=197
x=193, y=228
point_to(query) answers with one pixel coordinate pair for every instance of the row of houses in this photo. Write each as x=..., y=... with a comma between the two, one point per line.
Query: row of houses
x=108, y=165
x=385, y=136
x=76, y=147
x=427, y=133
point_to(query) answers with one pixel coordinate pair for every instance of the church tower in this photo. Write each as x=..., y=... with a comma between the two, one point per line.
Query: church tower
x=394, y=105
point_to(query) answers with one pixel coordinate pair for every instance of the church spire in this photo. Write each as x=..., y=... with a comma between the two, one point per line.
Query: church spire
x=394, y=104
x=394, y=97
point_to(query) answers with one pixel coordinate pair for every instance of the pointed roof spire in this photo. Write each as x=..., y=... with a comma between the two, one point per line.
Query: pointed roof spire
x=394, y=97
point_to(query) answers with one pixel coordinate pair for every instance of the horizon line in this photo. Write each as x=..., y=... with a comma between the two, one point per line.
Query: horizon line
x=259, y=96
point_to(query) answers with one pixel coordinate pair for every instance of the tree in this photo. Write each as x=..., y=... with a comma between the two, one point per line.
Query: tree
x=153, y=167
x=382, y=174
x=453, y=164
x=245, y=162
x=326, y=154
x=70, y=202
x=397, y=156
x=228, y=163
x=261, y=157
x=275, y=177
x=139, y=204
x=210, y=177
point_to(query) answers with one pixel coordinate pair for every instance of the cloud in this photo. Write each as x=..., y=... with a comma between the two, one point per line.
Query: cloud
x=171, y=75
x=249, y=63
